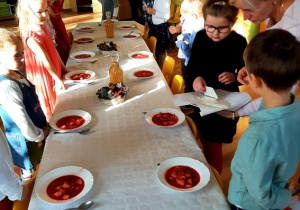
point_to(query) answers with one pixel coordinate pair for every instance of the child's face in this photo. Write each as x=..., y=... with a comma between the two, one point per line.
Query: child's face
x=13, y=56
x=217, y=28
x=39, y=12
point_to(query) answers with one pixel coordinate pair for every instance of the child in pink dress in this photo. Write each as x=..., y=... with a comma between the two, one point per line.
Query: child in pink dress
x=44, y=67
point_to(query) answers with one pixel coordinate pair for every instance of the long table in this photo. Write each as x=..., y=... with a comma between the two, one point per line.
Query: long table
x=122, y=150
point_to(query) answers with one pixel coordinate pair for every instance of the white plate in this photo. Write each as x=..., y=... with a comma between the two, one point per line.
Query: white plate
x=130, y=55
x=126, y=26
x=60, y=115
x=179, y=114
x=78, y=39
x=85, y=28
x=82, y=59
x=136, y=35
x=42, y=183
x=183, y=161
x=71, y=73
x=144, y=69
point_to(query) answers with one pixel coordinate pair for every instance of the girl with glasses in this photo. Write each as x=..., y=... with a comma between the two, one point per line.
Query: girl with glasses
x=217, y=54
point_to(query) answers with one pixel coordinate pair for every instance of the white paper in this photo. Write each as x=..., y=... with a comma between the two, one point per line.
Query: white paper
x=208, y=105
x=210, y=92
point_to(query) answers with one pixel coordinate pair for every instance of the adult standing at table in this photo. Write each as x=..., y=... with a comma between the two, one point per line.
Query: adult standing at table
x=282, y=14
x=136, y=6
x=110, y=6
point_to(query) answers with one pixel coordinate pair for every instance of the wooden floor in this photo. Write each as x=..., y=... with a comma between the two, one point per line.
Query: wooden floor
x=71, y=19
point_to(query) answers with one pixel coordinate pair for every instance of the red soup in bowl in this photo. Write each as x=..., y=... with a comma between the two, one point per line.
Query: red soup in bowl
x=182, y=177
x=65, y=187
x=165, y=119
x=70, y=122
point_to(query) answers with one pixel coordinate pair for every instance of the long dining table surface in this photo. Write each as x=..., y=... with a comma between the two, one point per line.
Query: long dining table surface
x=122, y=150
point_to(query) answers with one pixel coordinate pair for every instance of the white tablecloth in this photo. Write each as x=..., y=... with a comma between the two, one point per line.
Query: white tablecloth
x=122, y=150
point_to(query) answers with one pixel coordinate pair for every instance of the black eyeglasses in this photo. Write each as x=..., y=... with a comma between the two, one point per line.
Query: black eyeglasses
x=221, y=29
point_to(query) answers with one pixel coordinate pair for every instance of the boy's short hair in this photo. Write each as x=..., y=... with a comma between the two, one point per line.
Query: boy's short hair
x=8, y=36
x=191, y=7
x=217, y=8
x=274, y=56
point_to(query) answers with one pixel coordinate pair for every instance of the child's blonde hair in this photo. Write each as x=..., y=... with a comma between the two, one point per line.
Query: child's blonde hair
x=23, y=12
x=191, y=7
x=7, y=36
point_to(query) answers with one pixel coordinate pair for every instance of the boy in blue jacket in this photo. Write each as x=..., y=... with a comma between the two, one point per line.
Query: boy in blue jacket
x=268, y=152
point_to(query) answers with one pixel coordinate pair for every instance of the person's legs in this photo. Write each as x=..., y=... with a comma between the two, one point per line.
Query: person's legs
x=161, y=58
x=6, y=204
x=213, y=153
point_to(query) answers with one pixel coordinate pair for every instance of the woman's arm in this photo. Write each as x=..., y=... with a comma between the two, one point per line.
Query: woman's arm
x=36, y=48
x=12, y=101
x=116, y=9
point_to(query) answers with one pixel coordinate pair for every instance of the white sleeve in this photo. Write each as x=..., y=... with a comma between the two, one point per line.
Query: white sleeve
x=10, y=184
x=116, y=8
x=12, y=101
x=254, y=105
x=116, y=11
x=249, y=108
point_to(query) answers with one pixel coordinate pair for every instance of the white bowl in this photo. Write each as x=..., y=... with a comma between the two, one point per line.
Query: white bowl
x=73, y=56
x=60, y=115
x=71, y=73
x=42, y=183
x=183, y=161
x=179, y=114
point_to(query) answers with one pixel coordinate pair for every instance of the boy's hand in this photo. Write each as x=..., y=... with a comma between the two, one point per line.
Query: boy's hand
x=199, y=85
x=243, y=76
x=227, y=78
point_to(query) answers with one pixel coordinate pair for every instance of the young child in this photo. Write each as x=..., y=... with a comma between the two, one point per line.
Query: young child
x=11, y=188
x=44, y=67
x=268, y=152
x=191, y=22
x=156, y=14
x=23, y=119
x=216, y=54
x=63, y=44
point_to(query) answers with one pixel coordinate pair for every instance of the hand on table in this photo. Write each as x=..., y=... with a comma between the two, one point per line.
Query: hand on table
x=199, y=85
x=58, y=84
x=227, y=78
x=243, y=76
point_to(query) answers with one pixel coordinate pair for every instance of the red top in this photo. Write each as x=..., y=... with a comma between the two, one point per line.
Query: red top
x=62, y=39
x=36, y=71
